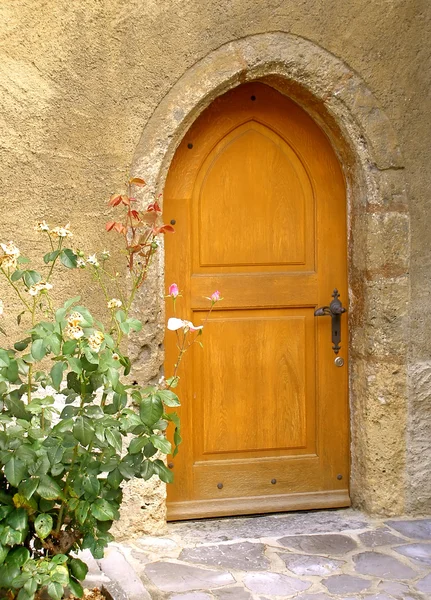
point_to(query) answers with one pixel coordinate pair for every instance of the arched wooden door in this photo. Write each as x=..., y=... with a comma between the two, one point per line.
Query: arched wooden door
x=258, y=197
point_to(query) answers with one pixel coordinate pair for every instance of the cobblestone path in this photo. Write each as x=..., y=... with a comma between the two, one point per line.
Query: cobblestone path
x=340, y=554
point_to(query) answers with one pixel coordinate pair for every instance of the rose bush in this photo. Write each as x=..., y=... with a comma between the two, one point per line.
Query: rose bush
x=72, y=429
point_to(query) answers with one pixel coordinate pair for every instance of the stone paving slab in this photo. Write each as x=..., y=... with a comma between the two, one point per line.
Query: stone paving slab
x=334, y=545
x=311, y=565
x=320, y=555
x=244, y=556
x=382, y=565
x=417, y=529
x=176, y=577
x=418, y=553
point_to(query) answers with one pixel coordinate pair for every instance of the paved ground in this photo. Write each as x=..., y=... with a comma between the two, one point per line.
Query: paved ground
x=322, y=555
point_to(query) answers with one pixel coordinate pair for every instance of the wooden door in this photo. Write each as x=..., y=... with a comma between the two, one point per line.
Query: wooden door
x=258, y=197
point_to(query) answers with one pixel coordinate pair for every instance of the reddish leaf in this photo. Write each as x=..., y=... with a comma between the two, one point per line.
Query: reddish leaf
x=115, y=200
x=137, y=181
x=120, y=228
x=116, y=226
x=154, y=206
x=134, y=214
x=118, y=199
x=149, y=217
x=164, y=229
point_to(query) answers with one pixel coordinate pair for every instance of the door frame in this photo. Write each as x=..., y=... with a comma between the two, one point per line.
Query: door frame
x=365, y=142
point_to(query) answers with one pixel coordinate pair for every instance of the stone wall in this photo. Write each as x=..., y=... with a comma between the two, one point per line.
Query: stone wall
x=93, y=89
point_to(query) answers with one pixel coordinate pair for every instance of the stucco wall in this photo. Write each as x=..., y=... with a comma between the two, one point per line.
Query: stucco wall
x=80, y=80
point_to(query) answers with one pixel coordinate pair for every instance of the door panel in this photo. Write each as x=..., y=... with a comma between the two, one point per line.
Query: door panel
x=233, y=182
x=258, y=198
x=276, y=342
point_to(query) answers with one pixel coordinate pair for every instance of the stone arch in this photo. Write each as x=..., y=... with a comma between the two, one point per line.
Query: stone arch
x=365, y=142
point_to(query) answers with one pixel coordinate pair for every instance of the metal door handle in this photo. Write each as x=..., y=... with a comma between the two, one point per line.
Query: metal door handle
x=334, y=310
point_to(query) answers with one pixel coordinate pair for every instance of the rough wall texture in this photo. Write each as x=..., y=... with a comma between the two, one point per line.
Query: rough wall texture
x=80, y=82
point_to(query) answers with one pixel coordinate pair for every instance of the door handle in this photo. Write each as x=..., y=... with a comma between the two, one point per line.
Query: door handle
x=334, y=310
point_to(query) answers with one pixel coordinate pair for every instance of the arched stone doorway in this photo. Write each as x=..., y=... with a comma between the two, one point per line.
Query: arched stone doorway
x=378, y=228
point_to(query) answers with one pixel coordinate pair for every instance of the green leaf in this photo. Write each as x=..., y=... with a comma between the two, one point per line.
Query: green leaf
x=92, y=357
x=7, y=575
x=18, y=557
x=12, y=372
x=69, y=258
x=55, y=590
x=38, y=349
x=57, y=374
x=59, y=559
x=86, y=315
x=114, y=439
x=4, y=358
x=16, y=406
x=121, y=316
x=82, y=512
x=91, y=485
x=43, y=525
x=163, y=472
x=149, y=450
x=69, y=347
x=119, y=401
x=46, y=505
x=75, y=364
x=28, y=488
x=16, y=275
x=137, y=444
x=78, y=568
x=125, y=327
x=115, y=478
x=31, y=278
x=57, y=469
x=15, y=470
x=173, y=381
x=83, y=431
x=4, y=551
x=5, y=510
x=168, y=398
x=50, y=256
x=113, y=377
x=150, y=410
x=73, y=382
x=76, y=588
x=126, y=470
x=103, y=511
x=134, y=324
x=161, y=443
x=127, y=364
x=31, y=587
x=24, y=594
x=147, y=469
x=60, y=574
x=71, y=301
x=22, y=345
x=48, y=488
x=10, y=537
x=54, y=343
x=18, y=519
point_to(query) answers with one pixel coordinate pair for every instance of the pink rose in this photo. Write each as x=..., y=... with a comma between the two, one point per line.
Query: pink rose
x=215, y=297
x=173, y=290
